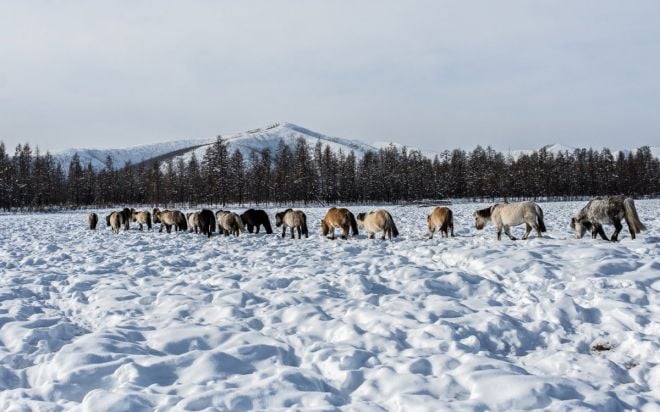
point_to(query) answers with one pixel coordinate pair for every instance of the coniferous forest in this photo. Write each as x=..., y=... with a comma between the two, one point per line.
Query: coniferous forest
x=306, y=174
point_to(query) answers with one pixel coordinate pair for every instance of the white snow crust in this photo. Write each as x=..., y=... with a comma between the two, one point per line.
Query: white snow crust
x=154, y=321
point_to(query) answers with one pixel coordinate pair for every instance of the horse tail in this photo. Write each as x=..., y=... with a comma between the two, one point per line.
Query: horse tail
x=182, y=221
x=395, y=231
x=266, y=222
x=210, y=222
x=354, y=225
x=539, y=215
x=239, y=223
x=304, y=225
x=445, y=223
x=631, y=216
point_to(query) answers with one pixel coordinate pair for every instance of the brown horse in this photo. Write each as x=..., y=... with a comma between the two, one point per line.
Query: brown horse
x=169, y=218
x=92, y=220
x=338, y=218
x=142, y=218
x=295, y=219
x=114, y=220
x=378, y=221
x=441, y=218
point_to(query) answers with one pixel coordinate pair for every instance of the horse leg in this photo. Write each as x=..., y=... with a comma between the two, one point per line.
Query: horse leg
x=508, y=233
x=169, y=228
x=299, y=232
x=293, y=236
x=161, y=228
x=451, y=228
x=283, y=231
x=601, y=232
x=344, y=233
x=499, y=233
x=617, y=228
x=251, y=228
x=257, y=227
x=432, y=231
x=528, y=229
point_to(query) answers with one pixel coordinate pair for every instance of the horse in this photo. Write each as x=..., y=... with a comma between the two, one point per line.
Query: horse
x=126, y=218
x=229, y=223
x=206, y=221
x=193, y=221
x=607, y=211
x=255, y=218
x=505, y=215
x=295, y=219
x=142, y=218
x=378, y=221
x=338, y=218
x=441, y=218
x=92, y=221
x=169, y=218
x=115, y=221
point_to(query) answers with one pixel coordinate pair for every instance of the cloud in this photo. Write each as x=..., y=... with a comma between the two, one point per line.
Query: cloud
x=430, y=74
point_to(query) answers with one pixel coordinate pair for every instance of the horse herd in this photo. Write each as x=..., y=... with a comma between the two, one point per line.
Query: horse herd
x=598, y=212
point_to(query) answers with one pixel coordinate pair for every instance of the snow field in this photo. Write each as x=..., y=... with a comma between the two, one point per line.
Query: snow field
x=144, y=321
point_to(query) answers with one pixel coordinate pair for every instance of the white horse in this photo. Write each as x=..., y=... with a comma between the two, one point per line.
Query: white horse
x=229, y=223
x=378, y=221
x=505, y=215
x=294, y=219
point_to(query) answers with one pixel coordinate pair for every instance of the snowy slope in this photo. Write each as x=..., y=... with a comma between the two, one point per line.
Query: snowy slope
x=246, y=142
x=156, y=321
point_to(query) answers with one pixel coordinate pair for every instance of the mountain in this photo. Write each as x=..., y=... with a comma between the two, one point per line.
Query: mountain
x=247, y=142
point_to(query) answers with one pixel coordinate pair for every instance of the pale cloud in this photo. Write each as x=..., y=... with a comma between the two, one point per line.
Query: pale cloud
x=431, y=74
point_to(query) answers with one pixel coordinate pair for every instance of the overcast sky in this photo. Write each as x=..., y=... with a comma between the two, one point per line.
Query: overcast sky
x=430, y=74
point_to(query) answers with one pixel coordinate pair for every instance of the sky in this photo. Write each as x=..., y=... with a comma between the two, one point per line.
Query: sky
x=429, y=74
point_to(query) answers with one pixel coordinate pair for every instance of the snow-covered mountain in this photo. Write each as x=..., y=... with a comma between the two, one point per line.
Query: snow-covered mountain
x=247, y=142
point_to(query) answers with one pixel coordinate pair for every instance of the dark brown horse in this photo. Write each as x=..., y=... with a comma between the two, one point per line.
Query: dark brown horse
x=206, y=221
x=92, y=220
x=256, y=218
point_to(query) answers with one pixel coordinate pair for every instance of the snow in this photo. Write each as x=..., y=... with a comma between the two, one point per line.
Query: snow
x=156, y=321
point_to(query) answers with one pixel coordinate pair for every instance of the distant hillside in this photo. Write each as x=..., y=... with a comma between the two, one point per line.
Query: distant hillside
x=247, y=142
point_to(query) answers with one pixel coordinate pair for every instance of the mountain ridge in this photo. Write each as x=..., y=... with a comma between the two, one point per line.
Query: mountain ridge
x=254, y=140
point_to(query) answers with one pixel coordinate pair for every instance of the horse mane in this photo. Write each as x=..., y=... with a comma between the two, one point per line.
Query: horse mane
x=485, y=213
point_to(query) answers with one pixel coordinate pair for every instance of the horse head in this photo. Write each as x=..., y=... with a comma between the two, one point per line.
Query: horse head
x=481, y=217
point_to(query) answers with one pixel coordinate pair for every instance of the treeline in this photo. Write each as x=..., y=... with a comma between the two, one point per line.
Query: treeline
x=318, y=175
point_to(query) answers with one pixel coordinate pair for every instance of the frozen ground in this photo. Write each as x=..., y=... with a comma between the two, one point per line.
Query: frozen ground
x=94, y=321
